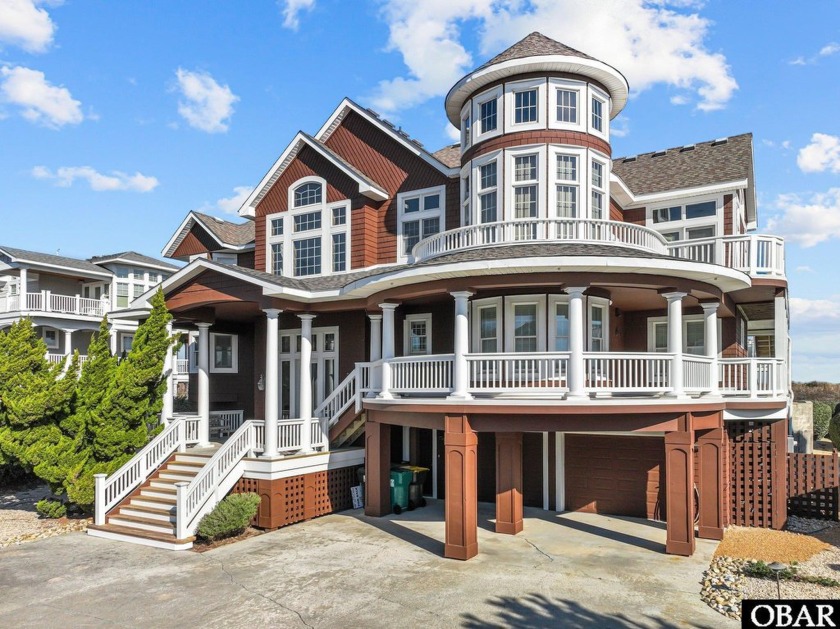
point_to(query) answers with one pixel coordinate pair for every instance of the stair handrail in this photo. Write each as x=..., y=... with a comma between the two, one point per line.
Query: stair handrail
x=337, y=402
x=108, y=491
x=191, y=497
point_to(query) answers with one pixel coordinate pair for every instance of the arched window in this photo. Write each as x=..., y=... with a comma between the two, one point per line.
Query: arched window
x=307, y=194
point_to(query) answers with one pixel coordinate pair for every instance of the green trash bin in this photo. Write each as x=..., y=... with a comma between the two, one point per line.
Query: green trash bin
x=400, y=480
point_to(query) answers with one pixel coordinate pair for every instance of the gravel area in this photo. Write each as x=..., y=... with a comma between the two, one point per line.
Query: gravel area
x=19, y=522
x=808, y=525
x=768, y=545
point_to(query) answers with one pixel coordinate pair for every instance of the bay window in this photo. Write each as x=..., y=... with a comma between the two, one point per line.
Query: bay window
x=420, y=216
x=567, y=186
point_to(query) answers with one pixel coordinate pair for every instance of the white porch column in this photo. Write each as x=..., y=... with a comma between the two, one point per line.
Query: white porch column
x=710, y=340
x=576, y=373
x=305, y=381
x=675, y=341
x=387, y=348
x=168, y=371
x=112, y=337
x=780, y=326
x=375, y=349
x=68, y=342
x=272, y=380
x=22, y=289
x=203, y=383
x=460, y=368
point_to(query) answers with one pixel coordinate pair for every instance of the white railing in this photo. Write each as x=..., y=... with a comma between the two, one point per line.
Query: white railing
x=540, y=230
x=202, y=493
x=430, y=374
x=697, y=373
x=370, y=376
x=337, y=402
x=624, y=372
x=225, y=422
x=110, y=490
x=288, y=435
x=316, y=434
x=755, y=377
x=497, y=373
x=55, y=358
x=46, y=301
x=757, y=255
x=182, y=366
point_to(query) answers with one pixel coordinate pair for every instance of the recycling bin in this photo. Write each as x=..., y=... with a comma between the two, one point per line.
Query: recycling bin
x=400, y=481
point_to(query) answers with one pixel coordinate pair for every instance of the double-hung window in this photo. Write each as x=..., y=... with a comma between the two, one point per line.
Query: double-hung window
x=525, y=186
x=466, y=127
x=597, y=327
x=223, y=353
x=417, y=338
x=486, y=113
x=599, y=195
x=487, y=192
x=489, y=116
x=420, y=216
x=487, y=330
x=599, y=112
x=694, y=334
x=568, y=186
x=525, y=106
x=567, y=105
x=466, y=201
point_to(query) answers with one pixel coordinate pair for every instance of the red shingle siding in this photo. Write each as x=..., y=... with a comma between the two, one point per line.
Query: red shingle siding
x=616, y=213
x=196, y=241
x=728, y=220
x=637, y=216
x=537, y=136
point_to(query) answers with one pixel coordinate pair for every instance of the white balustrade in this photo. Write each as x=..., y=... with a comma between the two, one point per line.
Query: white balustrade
x=289, y=435
x=55, y=358
x=34, y=301
x=540, y=230
x=225, y=422
x=764, y=377
x=431, y=374
x=344, y=395
x=497, y=373
x=624, y=372
x=182, y=366
x=758, y=255
x=316, y=435
x=50, y=302
x=697, y=373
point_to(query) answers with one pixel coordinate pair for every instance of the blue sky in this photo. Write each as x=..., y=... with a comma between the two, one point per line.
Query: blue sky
x=117, y=118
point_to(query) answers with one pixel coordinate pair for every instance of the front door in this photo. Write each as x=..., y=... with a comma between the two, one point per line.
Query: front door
x=323, y=369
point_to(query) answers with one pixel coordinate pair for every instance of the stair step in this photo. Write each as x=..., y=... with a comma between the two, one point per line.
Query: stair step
x=177, y=475
x=188, y=457
x=136, y=536
x=163, y=483
x=165, y=515
x=151, y=491
x=184, y=466
x=142, y=523
x=158, y=502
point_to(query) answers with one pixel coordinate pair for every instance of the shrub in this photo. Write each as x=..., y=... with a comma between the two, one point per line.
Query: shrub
x=834, y=430
x=49, y=508
x=230, y=517
x=822, y=417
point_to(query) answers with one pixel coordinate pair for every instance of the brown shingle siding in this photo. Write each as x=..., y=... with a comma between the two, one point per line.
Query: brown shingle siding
x=537, y=136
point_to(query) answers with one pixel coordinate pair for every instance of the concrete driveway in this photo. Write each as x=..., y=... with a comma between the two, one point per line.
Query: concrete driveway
x=347, y=570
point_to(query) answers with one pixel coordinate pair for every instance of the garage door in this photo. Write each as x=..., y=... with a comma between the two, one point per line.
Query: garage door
x=615, y=475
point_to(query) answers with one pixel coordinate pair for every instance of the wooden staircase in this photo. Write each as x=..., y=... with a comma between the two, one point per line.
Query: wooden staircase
x=147, y=515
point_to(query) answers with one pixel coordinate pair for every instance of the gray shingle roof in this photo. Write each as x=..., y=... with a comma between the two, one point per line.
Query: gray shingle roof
x=449, y=155
x=133, y=256
x=677, y=168
x=54, y=260
x=235, y=234
x=535, y=45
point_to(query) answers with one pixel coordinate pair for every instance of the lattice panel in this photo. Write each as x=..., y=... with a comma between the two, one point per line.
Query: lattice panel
x=292, y=489
x=320, y=496
x=339, y=483
x=814, y=485
x=751, y=473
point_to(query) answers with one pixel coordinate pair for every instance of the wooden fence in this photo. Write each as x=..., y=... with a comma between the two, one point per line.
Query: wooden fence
x=814, y=485
x=751, y=467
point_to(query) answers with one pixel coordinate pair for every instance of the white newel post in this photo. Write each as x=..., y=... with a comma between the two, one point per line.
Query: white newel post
x=460, y=367
x=388, y=311
x=203, y=384
x=169, y=394
x=576, y=335
x=675, y=342
x=99, y=499
x=305, y=381
x=272, y=378
x=710, y=321
x=181, y=509
x=375, y=349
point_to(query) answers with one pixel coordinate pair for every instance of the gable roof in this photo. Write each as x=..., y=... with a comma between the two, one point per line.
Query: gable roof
x=48, y=259
x=133, y=257
x=237, y=236
x=449, y=155
x=535, y=45
x=367, y=187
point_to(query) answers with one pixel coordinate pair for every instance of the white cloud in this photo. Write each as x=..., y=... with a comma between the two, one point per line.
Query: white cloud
x=679, y=99
x=65, y=176
x=829, y=49
x=231, y=205
x=23, y=23
x=620, y=127
x=814, y=310
x=650, y=43
x=823, y=153
x=452, y=133
x=808, y=222
x=39, y=101
x=786, y=144
x=292, y=10
x=206, y=105
x=804, y=269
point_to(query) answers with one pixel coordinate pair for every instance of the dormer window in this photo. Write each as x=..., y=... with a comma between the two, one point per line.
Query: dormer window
x=308, y=194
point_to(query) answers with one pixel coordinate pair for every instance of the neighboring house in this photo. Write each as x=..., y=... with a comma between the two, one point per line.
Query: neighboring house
x=66, y=298
x=537, y=322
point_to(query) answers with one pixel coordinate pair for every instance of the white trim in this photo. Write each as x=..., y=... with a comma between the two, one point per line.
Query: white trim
x=478, y=134
x=604, y=304
x=515, y=87
x=510, y=304
x=553, y=301
x=643, y=200
x=683, y=225
x=652, y=322
x=234, y=368
x=545, y=470
x=466, y=121
x=476, y=305
x=420, y=215
x=555, y=84
x=425, y=317
x=510, y=180
x=582, y=210
x=559, y=471
x=593, y=93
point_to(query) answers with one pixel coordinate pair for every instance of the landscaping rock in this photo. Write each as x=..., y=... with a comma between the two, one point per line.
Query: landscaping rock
x=808, y=525
x=722, y=586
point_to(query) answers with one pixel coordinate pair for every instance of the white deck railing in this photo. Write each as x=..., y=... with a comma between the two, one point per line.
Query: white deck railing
x=757, y=255
x=337, y=402
x=45, y=301
x=224, y=423
x=540, y=230
x=643, y=373
x=627, y=372
x=497, y=373
x=182, y=366
x=110, y=490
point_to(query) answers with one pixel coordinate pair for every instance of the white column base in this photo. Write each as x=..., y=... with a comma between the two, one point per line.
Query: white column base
x=460, y=396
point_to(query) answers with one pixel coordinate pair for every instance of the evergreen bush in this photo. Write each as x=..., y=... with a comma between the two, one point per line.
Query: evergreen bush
x=230, y=517
x=822, y=417
x=49, y=508
x=834, y=431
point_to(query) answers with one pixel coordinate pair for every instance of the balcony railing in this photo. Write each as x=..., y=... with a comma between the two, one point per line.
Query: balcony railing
x=548, y=373
x=45, y=301
x=755, y=254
